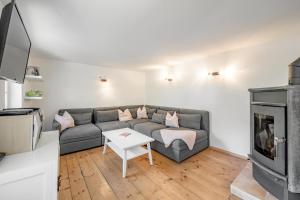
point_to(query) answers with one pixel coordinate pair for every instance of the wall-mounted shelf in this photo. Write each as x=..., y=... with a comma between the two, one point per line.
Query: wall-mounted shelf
x=33, y=98
x=32, y=77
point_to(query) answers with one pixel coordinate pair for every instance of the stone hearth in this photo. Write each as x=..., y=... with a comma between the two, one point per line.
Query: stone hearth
x=245, y=186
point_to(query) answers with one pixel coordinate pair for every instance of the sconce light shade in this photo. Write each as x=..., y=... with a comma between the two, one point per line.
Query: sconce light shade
x=214, y=73
x=102, y=79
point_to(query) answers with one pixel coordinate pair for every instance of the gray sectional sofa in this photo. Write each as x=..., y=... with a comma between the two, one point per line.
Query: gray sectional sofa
x=91, y=122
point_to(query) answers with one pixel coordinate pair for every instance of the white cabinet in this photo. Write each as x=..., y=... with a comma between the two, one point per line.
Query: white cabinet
x=32, y=175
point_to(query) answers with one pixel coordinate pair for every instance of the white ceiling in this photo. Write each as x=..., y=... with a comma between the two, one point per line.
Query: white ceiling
x=133, y=34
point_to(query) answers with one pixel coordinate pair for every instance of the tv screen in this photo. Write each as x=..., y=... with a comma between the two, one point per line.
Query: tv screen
x=14, y=45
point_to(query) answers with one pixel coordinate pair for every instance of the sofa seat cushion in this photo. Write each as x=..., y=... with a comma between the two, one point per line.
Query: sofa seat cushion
x=107, y=126
x=180, y=144
x=79, y=133
x=134, y=122
x=148, y=127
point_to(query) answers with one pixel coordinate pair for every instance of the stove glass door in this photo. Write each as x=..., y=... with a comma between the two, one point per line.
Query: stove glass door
x=264, y=135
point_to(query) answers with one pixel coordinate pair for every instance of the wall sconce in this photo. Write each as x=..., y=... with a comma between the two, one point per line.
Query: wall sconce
x=169, y=76
x=103, y=79
x=169, y=79
x=214, y=73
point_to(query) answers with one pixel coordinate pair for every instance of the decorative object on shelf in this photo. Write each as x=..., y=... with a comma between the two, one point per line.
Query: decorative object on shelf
x=33, y=70
x=125, y=134
x=33, y=77
x=214, y=73
x=34, y=93
x=33, y=98
x=103, y=79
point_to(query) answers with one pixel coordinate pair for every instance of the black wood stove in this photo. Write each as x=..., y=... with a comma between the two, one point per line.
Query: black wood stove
x=275, y=137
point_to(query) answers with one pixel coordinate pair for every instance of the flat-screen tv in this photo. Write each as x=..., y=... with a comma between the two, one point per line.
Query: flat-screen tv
x=14, y=44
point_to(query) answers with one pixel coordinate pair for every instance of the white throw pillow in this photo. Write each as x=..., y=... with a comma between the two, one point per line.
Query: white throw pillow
x=142, y=113
x=172, y=121
x=65, y=121
x=124, y=116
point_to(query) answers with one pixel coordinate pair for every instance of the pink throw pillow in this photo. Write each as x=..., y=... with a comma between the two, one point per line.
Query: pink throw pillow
x=65, y=121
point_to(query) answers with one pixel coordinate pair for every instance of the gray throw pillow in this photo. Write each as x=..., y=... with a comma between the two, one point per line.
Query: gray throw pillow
x=192, y=121
x=150, y=112
x=133, y=112
x=158, y=118
x=82, y=118
x=107, y=115
x=165, y=112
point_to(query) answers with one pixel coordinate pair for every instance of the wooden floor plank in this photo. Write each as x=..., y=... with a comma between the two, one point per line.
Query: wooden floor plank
x=64, y=175
x=146, y=186
x=78, y=186
x=96, y=183
x=65, y=194
x=63, y=168
x=64, y=186
x=91, y=175
x=167, y=183
x=198, y=183
x=121, y=186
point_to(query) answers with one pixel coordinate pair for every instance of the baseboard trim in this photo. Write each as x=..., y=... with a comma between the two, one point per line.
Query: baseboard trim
x=229, y=153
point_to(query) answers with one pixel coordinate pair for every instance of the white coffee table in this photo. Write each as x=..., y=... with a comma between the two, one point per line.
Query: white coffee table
x=127, y=147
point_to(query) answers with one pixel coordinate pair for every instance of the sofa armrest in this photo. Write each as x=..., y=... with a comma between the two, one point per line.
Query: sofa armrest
x=56, y=125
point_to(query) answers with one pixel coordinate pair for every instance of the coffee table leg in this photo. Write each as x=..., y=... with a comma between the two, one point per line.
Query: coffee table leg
x=124, y=163
x=105, y=145
x=149, y=154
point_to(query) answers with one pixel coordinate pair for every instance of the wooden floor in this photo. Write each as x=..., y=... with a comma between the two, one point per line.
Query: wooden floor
x=91, y=175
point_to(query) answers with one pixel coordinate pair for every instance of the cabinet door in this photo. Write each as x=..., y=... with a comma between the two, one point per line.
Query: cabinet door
x=30, y=188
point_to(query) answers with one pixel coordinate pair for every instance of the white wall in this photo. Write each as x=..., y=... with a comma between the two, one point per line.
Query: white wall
x=73, y=85
x=226, y=96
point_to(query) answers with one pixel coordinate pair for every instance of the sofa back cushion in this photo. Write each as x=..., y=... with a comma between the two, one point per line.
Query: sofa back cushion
x=133, y=112
x=150, y=112
x=164, y=112
x=204, y=124
x=80, y=115
x=192, y=121
x=158, y=118
x=106, y=115
x=82, y=118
